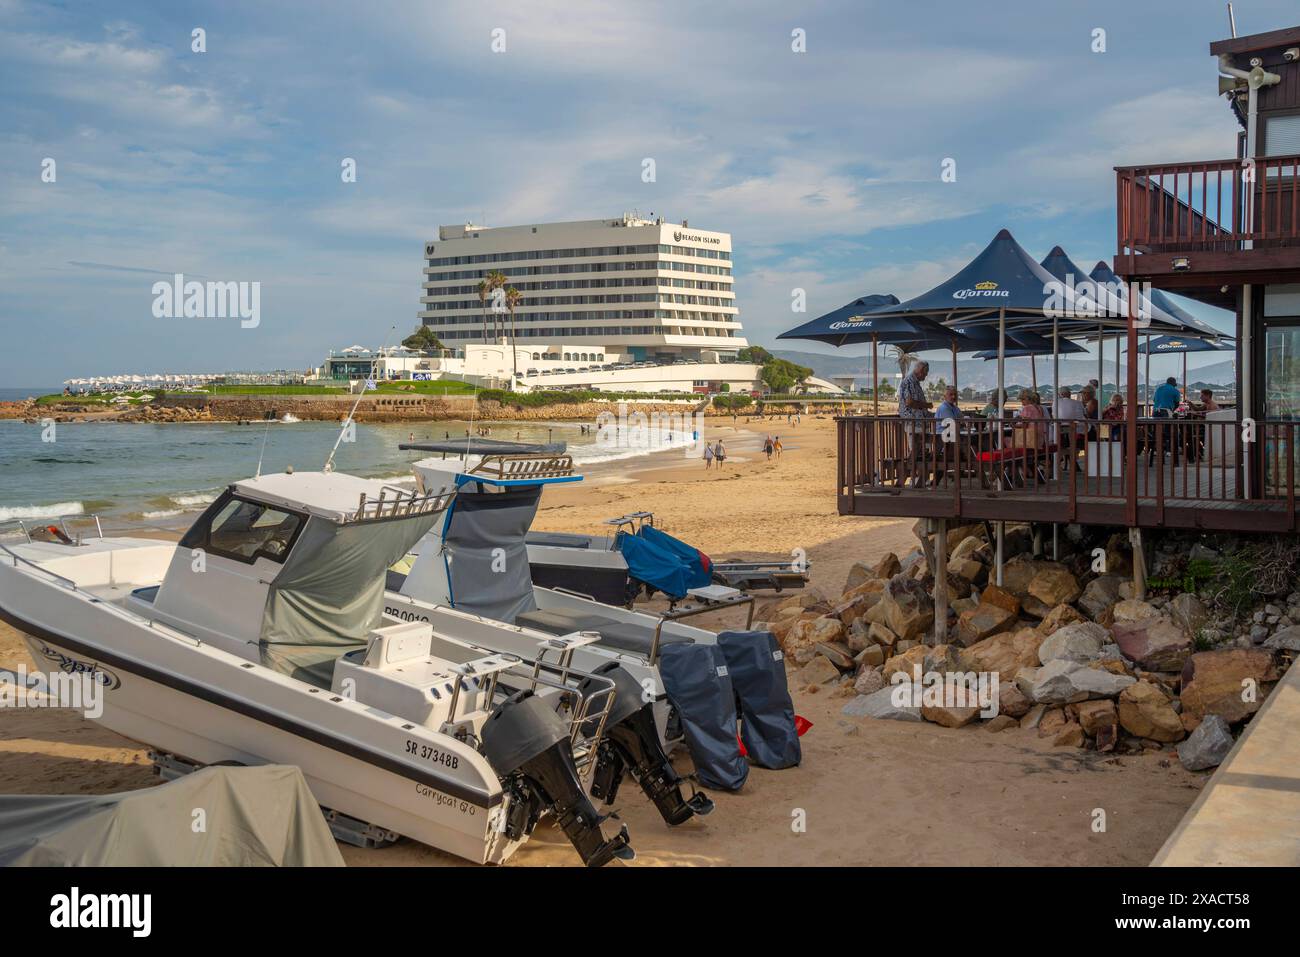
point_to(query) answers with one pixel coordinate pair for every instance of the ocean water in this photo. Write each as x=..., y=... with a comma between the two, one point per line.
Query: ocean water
x=11, y=394
x=160, y=473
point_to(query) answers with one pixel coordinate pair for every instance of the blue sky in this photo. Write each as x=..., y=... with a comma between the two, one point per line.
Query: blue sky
x=824, y=166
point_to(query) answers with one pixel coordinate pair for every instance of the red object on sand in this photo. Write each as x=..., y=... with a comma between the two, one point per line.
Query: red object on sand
x=801, y=724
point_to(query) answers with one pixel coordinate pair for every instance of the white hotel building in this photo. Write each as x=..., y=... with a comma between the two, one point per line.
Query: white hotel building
x=606, y=290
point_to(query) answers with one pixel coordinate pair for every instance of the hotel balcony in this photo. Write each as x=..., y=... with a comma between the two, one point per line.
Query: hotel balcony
x=1189, y=473
x=1199, y=226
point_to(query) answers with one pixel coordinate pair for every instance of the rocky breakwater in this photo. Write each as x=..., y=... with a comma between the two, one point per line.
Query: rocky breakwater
x=1057, y=650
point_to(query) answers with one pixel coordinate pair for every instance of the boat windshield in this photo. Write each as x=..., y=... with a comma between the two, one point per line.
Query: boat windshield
x=244, y=530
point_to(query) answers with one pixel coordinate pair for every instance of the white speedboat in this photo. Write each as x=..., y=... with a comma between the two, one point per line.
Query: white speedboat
x=474, y=564
x=262, y=638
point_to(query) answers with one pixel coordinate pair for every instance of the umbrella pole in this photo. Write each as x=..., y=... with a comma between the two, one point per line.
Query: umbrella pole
x=1033, y=372
x=1118, y=383
x=1147, y=375
x=1002, y=412
x=1184, y=376
x=875, y=376
x=954, y=366
x=1101, y=355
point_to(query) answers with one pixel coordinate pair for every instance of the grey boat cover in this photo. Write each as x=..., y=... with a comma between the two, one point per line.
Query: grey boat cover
x=486, y=555
x=757, y=668
x=697, y=683
x=261, y=816
x=330, y=592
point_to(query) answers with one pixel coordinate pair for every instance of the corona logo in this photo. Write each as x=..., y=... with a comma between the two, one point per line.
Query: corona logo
x=986, y=284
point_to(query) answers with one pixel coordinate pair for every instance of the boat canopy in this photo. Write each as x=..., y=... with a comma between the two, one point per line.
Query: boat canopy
x=329, y=592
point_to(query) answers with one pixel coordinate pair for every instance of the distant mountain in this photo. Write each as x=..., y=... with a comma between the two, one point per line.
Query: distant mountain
x=982, y=375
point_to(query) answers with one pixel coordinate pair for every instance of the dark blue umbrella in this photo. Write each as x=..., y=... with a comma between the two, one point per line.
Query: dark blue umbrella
x=1180, y=344
x=858, y=322
x=1002, y=281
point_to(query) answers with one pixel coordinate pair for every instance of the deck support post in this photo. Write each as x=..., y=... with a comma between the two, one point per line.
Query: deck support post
x=1038, y=540
x=940, y=582
x=1139, y=564
x=997, y=555
x=1056, y=542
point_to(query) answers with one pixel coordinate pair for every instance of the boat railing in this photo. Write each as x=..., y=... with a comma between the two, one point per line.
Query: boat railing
x=19, y=560
x=404, y=503
x=523, y=465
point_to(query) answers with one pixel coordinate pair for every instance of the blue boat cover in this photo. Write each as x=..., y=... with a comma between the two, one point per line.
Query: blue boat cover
x=757, y=669
x=653, y=564
x=699, y=570
x=697, y=683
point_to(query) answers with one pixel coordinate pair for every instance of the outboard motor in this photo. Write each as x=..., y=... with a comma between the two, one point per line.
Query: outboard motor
x=631, y=744
x=528, y=746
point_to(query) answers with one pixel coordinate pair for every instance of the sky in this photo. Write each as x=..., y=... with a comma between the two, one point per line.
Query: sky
x=824, y=165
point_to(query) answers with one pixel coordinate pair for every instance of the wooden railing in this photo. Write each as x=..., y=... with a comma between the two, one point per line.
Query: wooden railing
x=1180, y=462
x=1217, y=205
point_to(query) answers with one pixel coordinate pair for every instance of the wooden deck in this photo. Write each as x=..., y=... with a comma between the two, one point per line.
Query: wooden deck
x=882, y=474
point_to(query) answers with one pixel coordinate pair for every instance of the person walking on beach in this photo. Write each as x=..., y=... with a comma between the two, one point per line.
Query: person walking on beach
x=767, y=447
x=708, y=456
x=776, y=446
x=720, y=453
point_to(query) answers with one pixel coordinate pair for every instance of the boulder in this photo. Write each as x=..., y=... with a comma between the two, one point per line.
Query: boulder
x=888, y=566
x=801, y=639
x=872, y=586
x=1052, y=587
x=1020, y=571
x=1005, y=653
x=949, y=717
x=1207, y=746
x=1069, y=736
x=972, y=546
x=871, y=656
x=858, y=636
x=837, y=653
x=1080, y=642
x=1144, y=711
x=908, y=608
x=1156, y=644
x=1189, y=612
x=880, y=704
x=817, y=672
x=969, y=570
x=868, y=681
x=1033, y=717
x=1231, y=684
x=1053, y=722
x=854, y=608
x=913, y=657
x=1058, y=618
x=1287, y=639
x=1000, y=723
x=964, y=533
x=995, y=595
x=1011, y=701
x=940, y=659
x=859, y=572
x=1099, y=597
x=985, y=620
x=1096, y=715
x=882, y=636
x=1063, y=682
x=1133, y=609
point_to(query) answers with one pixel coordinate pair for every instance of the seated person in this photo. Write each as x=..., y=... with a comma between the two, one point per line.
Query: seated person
x=1068, y=407
x=1114, y=413
x=1032, y=416
x=948, y=408
x=991, y=410
x=1207, y=401
x=1167, y=397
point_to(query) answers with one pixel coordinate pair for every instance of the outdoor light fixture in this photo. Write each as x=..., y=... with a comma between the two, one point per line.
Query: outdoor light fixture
x=1182, y=264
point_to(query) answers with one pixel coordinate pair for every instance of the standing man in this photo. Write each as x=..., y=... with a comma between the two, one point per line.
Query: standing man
x=914, y=411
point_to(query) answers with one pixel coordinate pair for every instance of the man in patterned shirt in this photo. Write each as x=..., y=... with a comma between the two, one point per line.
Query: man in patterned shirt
x=914, y=411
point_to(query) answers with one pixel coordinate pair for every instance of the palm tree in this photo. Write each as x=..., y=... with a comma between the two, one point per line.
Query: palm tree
x=496, y=280
x=513, y=298
x=482, y=301
x=903, y=358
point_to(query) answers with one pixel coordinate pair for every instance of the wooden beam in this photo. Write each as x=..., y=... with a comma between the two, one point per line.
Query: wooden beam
x=940, y=570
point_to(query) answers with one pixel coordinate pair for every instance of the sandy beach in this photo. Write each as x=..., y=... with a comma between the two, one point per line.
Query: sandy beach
x=872, y=792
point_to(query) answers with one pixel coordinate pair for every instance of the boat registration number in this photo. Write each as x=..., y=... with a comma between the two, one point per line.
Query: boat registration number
x=432, y=755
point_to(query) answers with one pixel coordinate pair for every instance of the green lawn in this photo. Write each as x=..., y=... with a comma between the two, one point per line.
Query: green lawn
x=435, y=387
x=272, y=390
